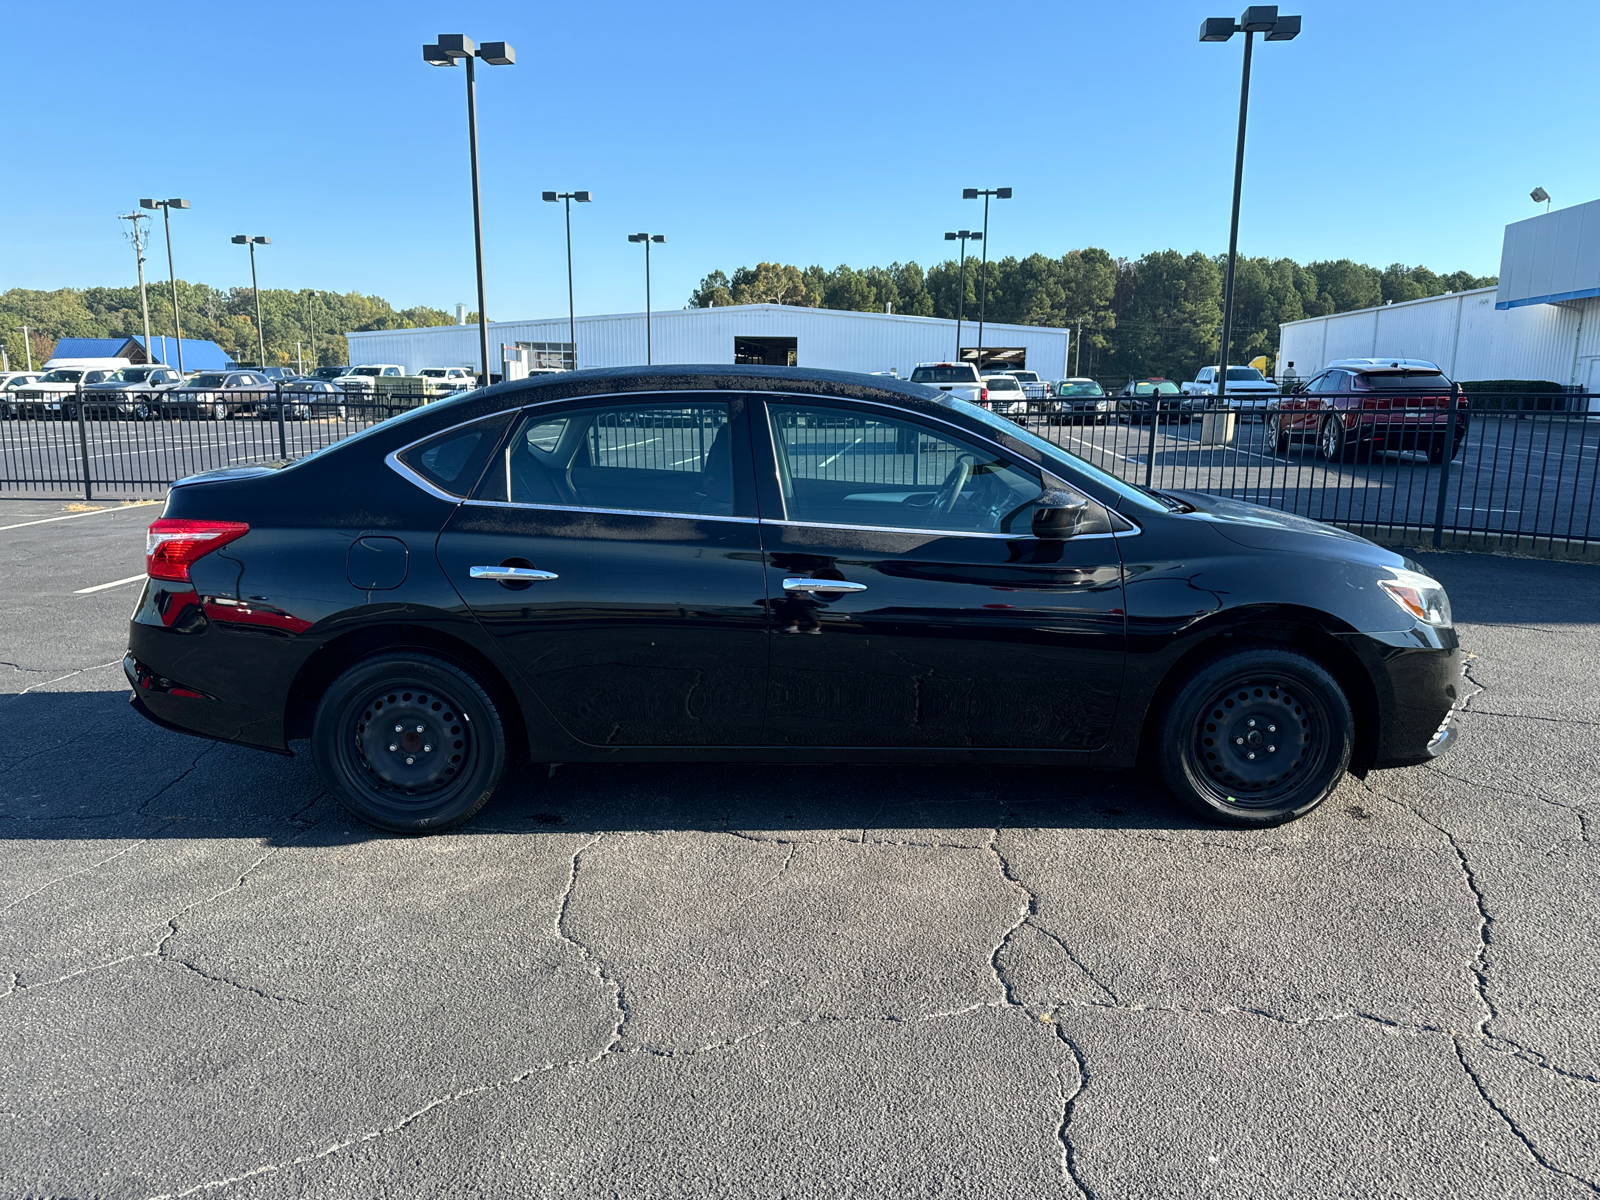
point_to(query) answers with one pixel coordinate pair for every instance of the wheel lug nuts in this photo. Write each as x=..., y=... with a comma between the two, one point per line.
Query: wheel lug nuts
x=409, y=761
x=427, y=749
x=1250, y=755
x=1272, y=749
x=393, y=747
x=1272, y=729
x=1251, y=722
x=397, y=728
x=1238, y=741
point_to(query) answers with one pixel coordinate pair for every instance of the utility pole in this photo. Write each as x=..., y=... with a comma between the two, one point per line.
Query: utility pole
x=27, y=345
x=311, y=322
x=299, y=362
x=137, y=236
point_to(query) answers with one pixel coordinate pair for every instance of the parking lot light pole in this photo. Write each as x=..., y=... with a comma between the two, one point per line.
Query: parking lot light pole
x=1263, y=19
x=983, y=280
x=137, y=235
x=572, y=316
x=646, y=238
x=964, y=235
x=166, y=207
x=244, y=239
x=444, y=53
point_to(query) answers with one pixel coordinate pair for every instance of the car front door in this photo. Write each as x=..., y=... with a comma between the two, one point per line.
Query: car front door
x=612, y=549
x=952, y=625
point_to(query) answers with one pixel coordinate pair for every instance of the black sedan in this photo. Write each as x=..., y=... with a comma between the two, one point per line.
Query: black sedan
x=770, y=565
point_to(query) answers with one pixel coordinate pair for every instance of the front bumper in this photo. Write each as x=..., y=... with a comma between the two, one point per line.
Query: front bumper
x=1416, y=675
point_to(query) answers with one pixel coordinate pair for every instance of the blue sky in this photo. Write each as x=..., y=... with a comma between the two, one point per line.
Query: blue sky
x=817, y=132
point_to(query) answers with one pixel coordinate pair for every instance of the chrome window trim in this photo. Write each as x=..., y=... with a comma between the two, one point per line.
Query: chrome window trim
x=1006, y=537
x=411, y=477
x=609, y=512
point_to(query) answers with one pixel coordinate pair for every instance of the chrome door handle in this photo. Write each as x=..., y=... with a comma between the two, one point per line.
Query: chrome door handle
x=821, y=585
x=511, y=574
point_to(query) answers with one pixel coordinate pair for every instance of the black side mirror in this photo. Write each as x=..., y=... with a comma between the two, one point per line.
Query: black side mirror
x=1057, y=515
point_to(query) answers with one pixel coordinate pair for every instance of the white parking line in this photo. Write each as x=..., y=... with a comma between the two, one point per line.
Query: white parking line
x=100, y=587
x=73, y=516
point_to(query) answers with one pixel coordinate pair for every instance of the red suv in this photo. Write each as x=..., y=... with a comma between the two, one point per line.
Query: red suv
x=1359, y=406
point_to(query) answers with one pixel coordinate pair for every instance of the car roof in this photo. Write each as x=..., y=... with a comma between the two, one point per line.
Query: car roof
x=1386, y=364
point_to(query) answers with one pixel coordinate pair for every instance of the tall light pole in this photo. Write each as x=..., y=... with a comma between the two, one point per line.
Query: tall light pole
x=245, y=239
x=983, y=286
x=646, y=238
x=964, y=235
x=1258, y=18
x=444, y=53
x=572, y=315
x=166, y=207
x=137, y=235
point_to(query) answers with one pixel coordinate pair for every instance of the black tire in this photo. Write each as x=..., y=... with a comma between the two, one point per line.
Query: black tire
x=460, y=750
x=1264, y=695
x=1277, y=435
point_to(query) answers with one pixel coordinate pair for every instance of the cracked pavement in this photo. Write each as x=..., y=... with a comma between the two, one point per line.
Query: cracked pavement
x=800, y=982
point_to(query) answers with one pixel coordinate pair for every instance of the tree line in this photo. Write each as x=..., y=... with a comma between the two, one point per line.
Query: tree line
x=315, y=319
x=1156, y=315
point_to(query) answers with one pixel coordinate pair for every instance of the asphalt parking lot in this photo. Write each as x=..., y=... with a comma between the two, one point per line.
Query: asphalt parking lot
x=673, y=981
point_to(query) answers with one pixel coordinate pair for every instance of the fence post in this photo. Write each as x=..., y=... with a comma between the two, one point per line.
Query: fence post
x=283, y=446
x=83, y=445
x=1444, y=468
x=1150, y=453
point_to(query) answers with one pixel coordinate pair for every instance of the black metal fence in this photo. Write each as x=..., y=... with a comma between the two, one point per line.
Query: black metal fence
x=1521, y=477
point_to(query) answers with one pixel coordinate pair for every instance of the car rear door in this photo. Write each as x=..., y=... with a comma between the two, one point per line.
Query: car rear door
x=612, y=549
x=952, y=626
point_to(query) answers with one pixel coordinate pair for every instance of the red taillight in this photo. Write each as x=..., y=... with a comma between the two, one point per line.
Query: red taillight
x=173, y=543
x=983, y=395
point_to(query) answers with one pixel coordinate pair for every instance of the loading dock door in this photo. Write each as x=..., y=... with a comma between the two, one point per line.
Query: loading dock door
x=1003, y=357
x=767, y=351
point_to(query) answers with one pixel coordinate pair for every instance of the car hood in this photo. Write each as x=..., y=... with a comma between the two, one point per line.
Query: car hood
x=1263, y=528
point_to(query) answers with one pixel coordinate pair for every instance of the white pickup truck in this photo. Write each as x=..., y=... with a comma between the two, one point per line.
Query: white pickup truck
x=360, y=379
x=1249, y=392
x=959, y=379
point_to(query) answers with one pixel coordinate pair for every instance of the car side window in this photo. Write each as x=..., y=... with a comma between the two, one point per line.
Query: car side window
x=837, y=466
x=453, y=460
x=653, y=457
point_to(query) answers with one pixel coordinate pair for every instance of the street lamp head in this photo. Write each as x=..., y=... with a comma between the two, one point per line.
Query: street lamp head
x=1539, y=195
x=583, y=197
x=976, y=236
x=1002, y=193
x=238, y=239
x=1284, y=29
x=637, y=237
x=1259, y=18
x=436, y=57
x=457, y=45
x=549, y=197
x=150, y=204
x=177, y=204
x=949, y=237
x=263, y=241
x=497, y=54
x=1217, y=29
x=658, y=238
x=969, y=193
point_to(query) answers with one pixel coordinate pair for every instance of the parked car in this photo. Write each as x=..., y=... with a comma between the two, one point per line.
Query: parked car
x=1143, y=397
x=1006, y=395
x=1249, y=392
x=443, y=380
x=360, y=379
x=217, y=395
x=274, y=374
x=1033, y=387
x=417, y=659
x=304, y=400
x=1082, y=400
x=328, y=373
x=49, y=396
x=954, y=379
x=1355, y=407
x=131, y=392
x=11, y=383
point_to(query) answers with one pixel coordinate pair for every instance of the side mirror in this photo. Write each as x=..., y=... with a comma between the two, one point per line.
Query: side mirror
x=1057, y=515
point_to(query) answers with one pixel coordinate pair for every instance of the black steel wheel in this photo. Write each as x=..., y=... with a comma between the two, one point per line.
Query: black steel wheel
x=408, y=742
x=1256, y=737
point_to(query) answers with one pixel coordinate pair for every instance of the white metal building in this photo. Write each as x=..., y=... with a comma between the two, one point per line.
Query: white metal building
x=1541, y=323
x=776, y=334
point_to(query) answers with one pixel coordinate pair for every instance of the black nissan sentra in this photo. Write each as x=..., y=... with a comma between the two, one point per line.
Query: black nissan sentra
x=770, y=565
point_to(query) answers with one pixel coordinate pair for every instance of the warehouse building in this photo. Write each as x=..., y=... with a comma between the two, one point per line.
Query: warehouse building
x=1541, y=324
x=772, y=334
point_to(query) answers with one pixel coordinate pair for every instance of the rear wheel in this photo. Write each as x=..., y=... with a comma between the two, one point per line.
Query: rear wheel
x=1334, y=440
x=1277, y=435
x=409, y=742
x=1256, y=737
x=218, y=411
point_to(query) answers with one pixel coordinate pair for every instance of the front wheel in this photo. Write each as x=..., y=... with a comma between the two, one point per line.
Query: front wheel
x=218, y=412
x=408, y=742
x=1255, y=737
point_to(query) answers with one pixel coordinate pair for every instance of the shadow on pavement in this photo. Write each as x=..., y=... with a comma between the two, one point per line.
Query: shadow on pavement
x=1494, y=589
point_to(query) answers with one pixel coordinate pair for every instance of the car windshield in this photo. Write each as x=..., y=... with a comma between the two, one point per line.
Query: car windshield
x=1081, y=389
x=367, y=371
x=951, y=374
x=1244, y=375
x=1053, y=453
x=433, y=372
x=328, y=372
x=208, y=381
x=1164, y=388
x=1026, y=376
x=1409, y=382
x=61, y=375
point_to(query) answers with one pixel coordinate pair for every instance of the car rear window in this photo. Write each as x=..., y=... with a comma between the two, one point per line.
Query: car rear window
x=1409, y=382
x=943, y=375
x=1080, y=389
x=1243, y=375
x=1003, y=383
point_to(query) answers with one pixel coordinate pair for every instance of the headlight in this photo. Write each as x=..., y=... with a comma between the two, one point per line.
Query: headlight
x=1422, y=597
